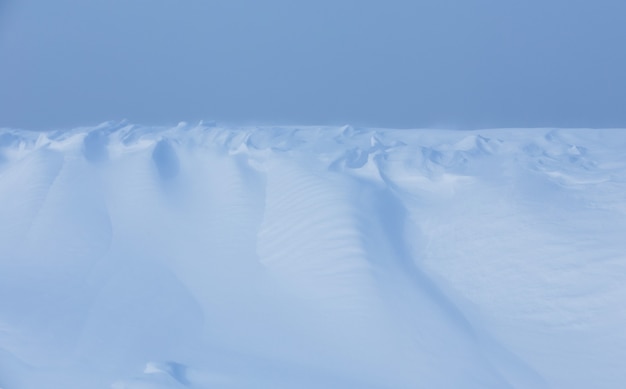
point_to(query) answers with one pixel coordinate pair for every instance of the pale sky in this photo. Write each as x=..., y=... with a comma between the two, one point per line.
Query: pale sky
x=391, y=63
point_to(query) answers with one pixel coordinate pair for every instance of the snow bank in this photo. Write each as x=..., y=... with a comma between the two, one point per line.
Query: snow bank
x=310, y=257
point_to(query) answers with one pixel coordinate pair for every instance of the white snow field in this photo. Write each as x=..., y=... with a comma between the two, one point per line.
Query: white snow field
x=302, y=257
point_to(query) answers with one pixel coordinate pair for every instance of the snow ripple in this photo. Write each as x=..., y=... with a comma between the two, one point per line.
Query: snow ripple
x=311, y=257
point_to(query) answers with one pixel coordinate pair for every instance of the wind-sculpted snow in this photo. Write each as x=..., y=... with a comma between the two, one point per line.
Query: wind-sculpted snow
x=209, y=257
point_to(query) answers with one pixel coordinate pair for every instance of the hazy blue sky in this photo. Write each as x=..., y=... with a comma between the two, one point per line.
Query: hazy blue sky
x=399, y=63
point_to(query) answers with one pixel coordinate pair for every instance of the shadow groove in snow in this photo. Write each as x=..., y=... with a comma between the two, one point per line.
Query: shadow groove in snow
x=166, y=160
x=95, y=147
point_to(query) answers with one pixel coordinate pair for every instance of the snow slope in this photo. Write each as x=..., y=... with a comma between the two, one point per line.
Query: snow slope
x=304, y=257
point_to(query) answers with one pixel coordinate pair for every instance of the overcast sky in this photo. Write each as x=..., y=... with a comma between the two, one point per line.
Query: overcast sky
x=393, y=63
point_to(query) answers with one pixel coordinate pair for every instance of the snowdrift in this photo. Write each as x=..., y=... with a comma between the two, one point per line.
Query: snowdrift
x=312, y=257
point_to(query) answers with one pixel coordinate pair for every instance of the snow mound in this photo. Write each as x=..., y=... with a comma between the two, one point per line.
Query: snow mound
x=203, y=256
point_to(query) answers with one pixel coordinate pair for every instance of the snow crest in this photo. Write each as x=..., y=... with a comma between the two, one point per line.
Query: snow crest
x=202, y=256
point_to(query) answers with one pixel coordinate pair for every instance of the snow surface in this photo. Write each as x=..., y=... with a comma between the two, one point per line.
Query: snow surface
x=312, y=257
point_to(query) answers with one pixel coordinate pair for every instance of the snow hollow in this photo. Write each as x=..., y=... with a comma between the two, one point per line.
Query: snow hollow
x=312, y=257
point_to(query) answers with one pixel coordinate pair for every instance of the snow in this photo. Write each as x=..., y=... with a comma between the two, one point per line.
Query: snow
x=203, y=256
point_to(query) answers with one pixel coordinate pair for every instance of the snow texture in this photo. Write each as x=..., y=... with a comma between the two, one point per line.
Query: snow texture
x=312, y=257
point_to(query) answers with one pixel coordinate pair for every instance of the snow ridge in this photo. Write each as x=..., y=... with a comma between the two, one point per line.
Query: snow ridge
x=205, y=256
